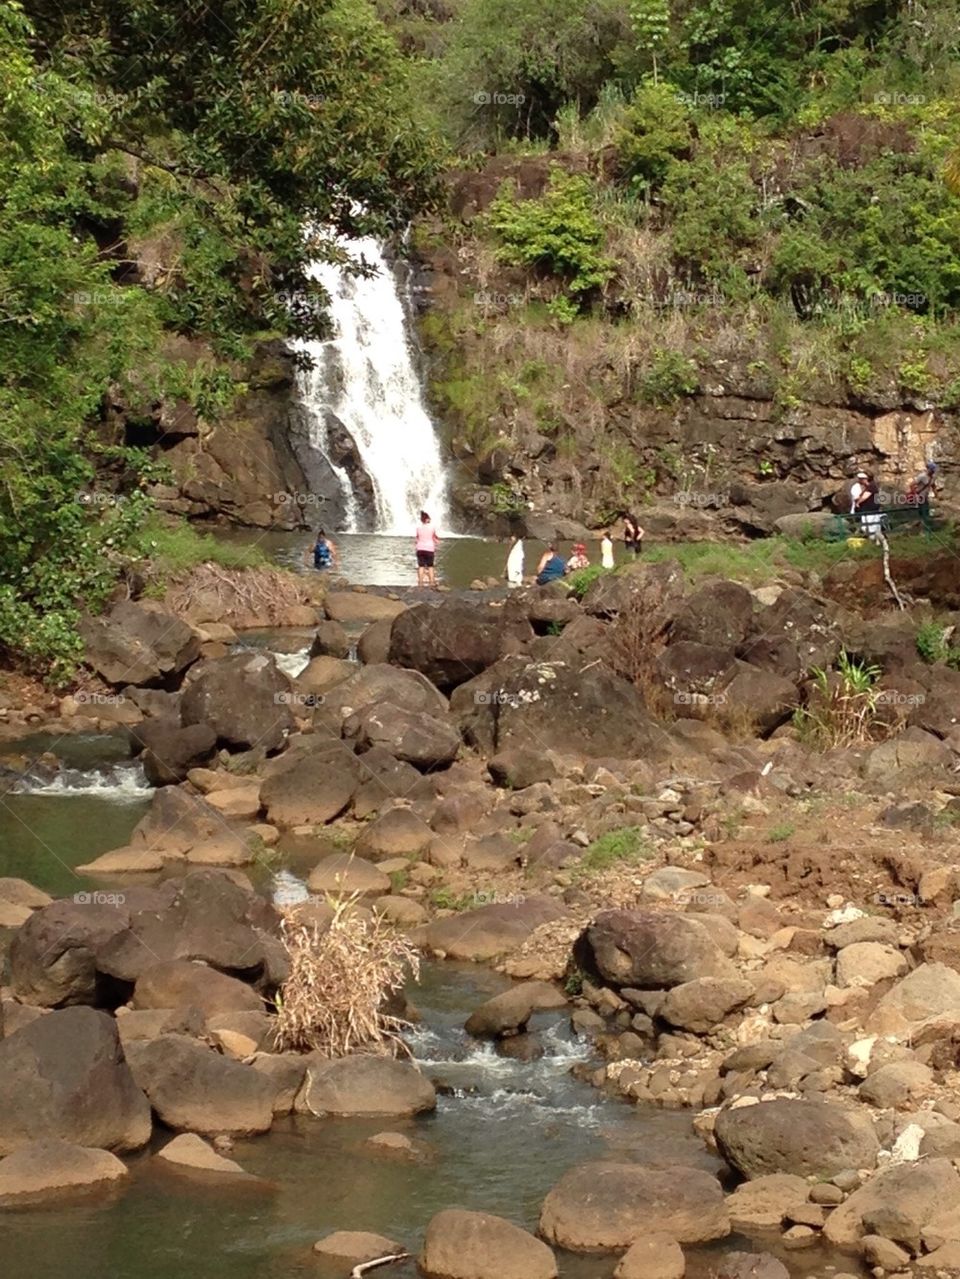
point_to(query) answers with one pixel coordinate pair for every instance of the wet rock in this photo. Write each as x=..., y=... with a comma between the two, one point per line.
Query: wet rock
x=522, y=1047
x=244, y=698
x=138, y=643
x=805, y=1138
x=361, y=1084
x=330, y=640
x=195, y=1089
x=49, y=1166
x=702, y=1004
x=750, y=1265
x=64, y=1076
x=470, y=1245
x=286, y=1072
x=170, y=752
x=651, y=951
x=512, y=1009
x=604, y=1207
x=192, y=1152
x=655, y=1256
x=910, y=1195
x=179, y=983
x=354, y=1247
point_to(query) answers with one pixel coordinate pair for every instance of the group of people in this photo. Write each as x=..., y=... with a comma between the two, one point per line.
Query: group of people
x=426, y=541
x=865, y=498
x=552, y=566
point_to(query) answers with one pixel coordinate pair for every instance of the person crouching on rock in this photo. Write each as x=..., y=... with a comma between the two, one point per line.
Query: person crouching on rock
x=551, y=567
x=426, y=541
x=325, y=554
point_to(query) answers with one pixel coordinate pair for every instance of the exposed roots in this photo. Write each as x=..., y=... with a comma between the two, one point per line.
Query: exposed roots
x=233, y=595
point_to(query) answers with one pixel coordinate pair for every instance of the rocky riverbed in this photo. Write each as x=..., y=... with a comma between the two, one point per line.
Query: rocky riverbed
x=623, y=808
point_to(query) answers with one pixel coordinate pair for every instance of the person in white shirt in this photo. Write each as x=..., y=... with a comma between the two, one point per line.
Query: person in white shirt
x=606, y=550
x=514, y=569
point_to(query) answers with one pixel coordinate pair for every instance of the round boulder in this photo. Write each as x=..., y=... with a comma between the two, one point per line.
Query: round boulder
x=47, y=1166
x=605, y=1207
x=655, y=1256
x=478, y=1245
x=362, y=1084
x=806, y=1138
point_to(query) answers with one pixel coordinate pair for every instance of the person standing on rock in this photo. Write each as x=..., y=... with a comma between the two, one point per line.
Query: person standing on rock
x=514, y=569
x=606, y=550
x=325, y=553
x=426, y=541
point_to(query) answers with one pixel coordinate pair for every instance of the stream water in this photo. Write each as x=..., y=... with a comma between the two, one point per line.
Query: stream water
x=503, y=1132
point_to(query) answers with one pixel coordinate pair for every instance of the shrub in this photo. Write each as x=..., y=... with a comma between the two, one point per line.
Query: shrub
x=581, y=581
x=628, y=844
x=559, y=234
x=843, y=711
x=340, y=977
x=670, y=376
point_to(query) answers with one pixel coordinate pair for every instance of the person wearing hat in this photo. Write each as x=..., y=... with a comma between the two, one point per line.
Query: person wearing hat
x=578, y=559
x=921, y=488
x=864, y=504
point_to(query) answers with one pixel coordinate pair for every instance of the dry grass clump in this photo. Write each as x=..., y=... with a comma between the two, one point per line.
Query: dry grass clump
x=341, y=977
x=234, y=595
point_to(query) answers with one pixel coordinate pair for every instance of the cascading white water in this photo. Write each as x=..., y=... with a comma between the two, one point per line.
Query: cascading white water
x=366, y=377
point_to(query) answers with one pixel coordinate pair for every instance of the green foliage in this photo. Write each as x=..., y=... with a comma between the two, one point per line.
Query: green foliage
x=934, y=644
x=627, y=845
x=780, y=833
x=175, y=548
x=558, y=234
x=580, y=581
x=669, y=376
x=655, y=130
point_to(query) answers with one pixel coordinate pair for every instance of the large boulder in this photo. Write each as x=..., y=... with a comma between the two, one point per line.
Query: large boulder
x=490, y=931
x=182, y=984
x=50, y=1166
x=931, y=990
x=64, y=1076
x=399, y=832
x=556, y=706
x=701, y=1005
x=477, y=1245
x=606, y=1207
x=691, y=671
x=343, y=873
x=805, y=1138
x=311, y=788
x=759, y=697
x=170, y=751
x=897, y=1203
x=423, y=740
x=718, y=613
x=454, y=641
x=195, y=1089
x=90, y=952
x=650, y=950
x=138, y=643
x=794, y=634
x=244, y=698
x=378, y=683
x=330, y=640
x=364, y=1084
x=355, y=1247
x=356, y=606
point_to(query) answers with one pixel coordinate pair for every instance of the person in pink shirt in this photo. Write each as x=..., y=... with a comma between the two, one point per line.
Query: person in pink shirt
x=426, y=541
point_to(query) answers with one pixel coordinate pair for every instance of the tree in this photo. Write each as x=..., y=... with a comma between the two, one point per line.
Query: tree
x=650, y=20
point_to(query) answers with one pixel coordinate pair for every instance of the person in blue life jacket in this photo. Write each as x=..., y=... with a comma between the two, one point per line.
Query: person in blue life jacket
x=325, y=554
x=551, y=567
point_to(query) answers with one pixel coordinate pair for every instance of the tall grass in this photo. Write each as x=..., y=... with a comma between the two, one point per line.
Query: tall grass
x=174, y=548
x=341, y=977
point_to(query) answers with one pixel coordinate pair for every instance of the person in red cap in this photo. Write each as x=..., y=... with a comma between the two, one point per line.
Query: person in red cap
x=578, y=559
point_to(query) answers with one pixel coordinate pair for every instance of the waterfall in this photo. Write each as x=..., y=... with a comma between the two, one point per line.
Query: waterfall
x=365, y=379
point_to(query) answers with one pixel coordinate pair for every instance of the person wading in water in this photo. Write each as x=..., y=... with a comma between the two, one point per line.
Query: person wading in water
x=324, y=552
x=426, y=541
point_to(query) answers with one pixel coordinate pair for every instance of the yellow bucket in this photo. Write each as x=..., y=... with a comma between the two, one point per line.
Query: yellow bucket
x=856, y=541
